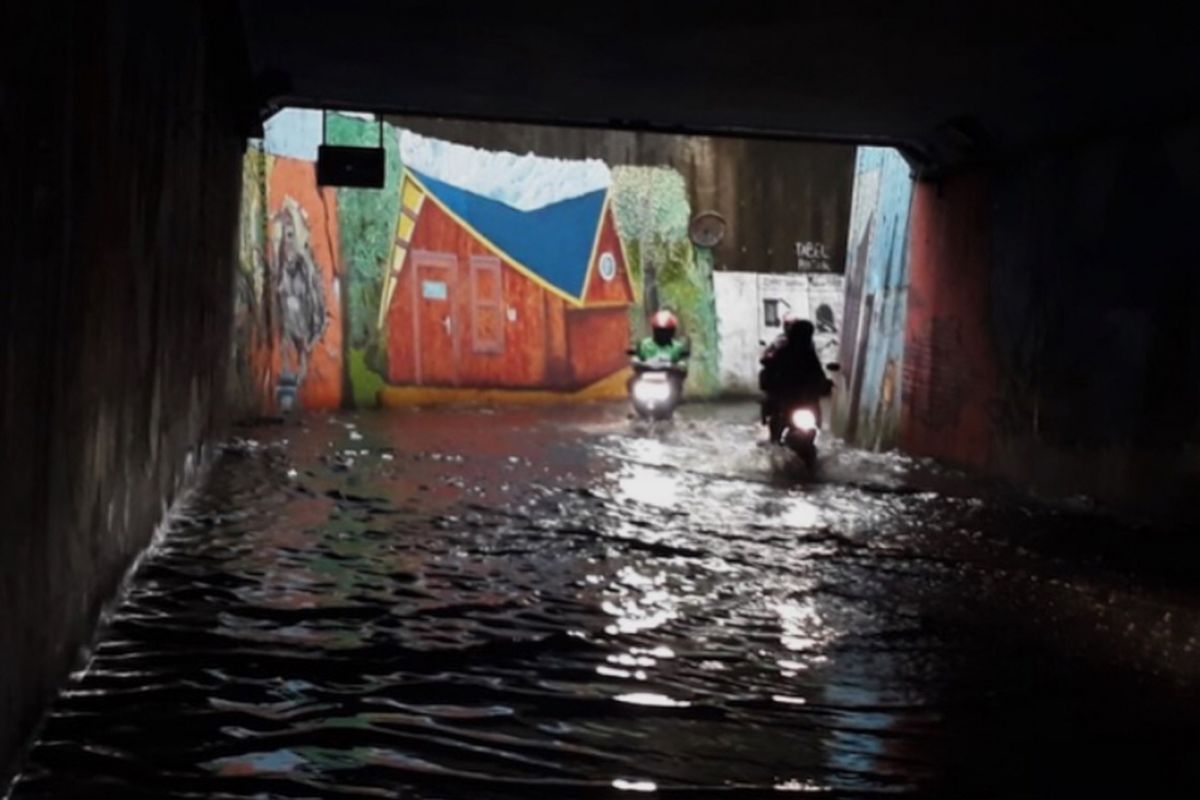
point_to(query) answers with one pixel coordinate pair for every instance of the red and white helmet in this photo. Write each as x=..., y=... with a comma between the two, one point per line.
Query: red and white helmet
x=664, y=321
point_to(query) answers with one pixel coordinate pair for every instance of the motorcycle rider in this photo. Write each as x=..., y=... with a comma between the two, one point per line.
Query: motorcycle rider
x=791, y=371
x=662, y=344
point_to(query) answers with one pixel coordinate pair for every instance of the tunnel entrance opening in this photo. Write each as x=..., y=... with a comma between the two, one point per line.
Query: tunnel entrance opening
x=504, y=262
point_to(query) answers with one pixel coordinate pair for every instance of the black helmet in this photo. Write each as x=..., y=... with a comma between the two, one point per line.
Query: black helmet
x=797, y=329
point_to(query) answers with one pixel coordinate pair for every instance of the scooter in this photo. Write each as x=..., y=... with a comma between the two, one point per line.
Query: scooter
x=797, y=425
x=657, y=387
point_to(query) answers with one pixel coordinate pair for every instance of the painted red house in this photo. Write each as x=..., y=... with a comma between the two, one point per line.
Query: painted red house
x=484, y=294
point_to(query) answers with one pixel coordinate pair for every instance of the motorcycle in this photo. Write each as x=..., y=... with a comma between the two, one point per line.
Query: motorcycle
x=657, y=387
x=796, y=427
x=796, y=424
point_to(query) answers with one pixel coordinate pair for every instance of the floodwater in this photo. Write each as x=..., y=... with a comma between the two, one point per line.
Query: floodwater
x=564, y=603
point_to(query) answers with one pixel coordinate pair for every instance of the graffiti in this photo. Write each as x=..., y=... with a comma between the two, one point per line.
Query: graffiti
x=812, y=257
x=826, y=338
x=299, y=293
x=825, y=321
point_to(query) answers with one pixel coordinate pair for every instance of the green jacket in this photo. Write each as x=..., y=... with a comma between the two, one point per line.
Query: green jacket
x=649, y=350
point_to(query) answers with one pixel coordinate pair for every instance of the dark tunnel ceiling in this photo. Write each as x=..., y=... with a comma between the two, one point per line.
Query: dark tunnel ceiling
x=947, y=87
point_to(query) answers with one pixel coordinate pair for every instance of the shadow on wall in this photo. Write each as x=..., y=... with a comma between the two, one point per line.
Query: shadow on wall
x=471, y=269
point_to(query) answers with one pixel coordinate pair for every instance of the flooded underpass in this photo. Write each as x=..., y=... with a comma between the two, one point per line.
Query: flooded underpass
x=562, y=603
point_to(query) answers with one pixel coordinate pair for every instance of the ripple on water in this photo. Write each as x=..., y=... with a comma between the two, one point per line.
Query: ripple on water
x=566, y=610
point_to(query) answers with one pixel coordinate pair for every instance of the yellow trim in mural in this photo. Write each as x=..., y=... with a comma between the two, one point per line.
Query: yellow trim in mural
x=610, y=388
x=410, y=196
x=399, y=253
x=604, y=304
x=637, y=290
x=411, y=200
x=405, y=228
x=587, y=278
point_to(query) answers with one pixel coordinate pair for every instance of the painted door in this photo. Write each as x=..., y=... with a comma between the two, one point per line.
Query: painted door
x=487, y=306
x=434, y=328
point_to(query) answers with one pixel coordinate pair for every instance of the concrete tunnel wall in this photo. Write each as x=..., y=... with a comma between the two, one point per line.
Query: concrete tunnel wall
x=122, y=159
x=1051, y=335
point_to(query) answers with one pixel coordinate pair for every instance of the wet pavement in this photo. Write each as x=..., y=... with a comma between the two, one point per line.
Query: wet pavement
x=563, y=603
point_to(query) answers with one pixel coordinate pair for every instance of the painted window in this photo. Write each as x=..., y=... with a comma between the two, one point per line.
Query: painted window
x=487, y=305
x=771, y=316
x=434, y=290
x=608, y=266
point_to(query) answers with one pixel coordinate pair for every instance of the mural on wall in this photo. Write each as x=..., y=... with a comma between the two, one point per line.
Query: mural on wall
x=303, y=273
x=652, y=215
x=367, y=225
x=872, y=351
x=470, y=271
x=506, y=272
x=301, y=298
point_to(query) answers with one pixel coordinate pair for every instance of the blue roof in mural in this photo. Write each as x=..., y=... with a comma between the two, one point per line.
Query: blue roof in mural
x=554, y=241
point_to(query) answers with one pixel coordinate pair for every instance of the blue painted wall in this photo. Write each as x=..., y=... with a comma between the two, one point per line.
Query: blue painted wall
x=872, y=352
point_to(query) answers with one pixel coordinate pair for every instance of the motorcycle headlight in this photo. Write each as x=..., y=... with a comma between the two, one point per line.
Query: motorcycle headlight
x=651, y=392
x=804, y=420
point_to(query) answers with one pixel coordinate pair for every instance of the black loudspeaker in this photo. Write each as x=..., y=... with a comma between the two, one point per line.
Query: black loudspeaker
x=339, y=165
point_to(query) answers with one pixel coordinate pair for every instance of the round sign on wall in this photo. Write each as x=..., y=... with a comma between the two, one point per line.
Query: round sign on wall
x=707, y=229
x=608, y=266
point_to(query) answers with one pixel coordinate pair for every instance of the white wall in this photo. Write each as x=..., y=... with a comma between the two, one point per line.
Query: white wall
x=741, y=322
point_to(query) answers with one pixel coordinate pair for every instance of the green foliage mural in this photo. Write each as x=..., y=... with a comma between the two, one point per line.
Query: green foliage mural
x=367, y=225
x=652, y=213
